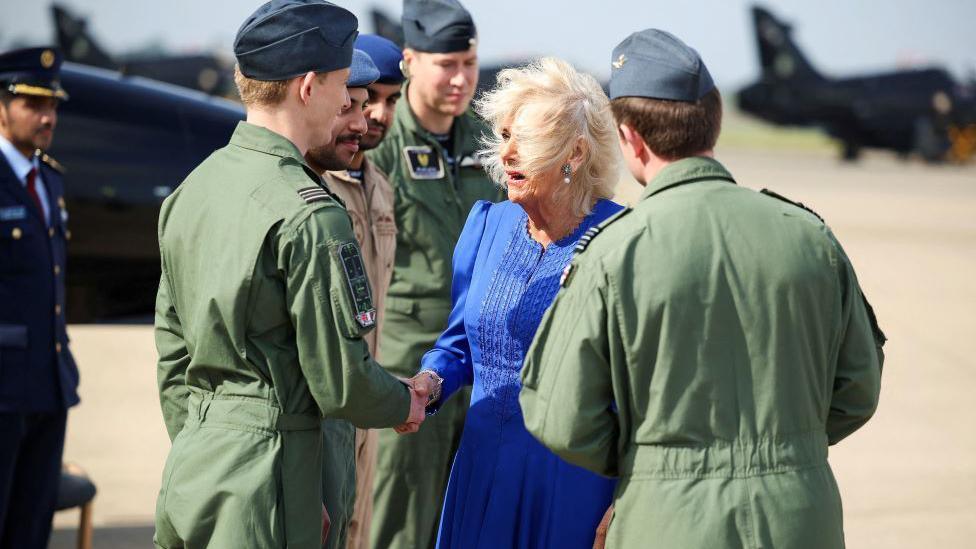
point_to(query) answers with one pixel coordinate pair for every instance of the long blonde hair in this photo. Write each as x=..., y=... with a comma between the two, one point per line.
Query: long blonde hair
x=573, y=111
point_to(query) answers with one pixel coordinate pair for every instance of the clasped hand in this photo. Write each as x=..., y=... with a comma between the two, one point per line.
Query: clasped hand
x=421, y=387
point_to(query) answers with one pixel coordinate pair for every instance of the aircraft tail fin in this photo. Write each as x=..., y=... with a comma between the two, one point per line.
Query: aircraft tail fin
x=780, y=57
x=78, y=46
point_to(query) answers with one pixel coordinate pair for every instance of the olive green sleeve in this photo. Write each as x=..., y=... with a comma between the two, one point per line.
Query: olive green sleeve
x=344, y=380
x=174, y=358
x=857, y=381
x=567, y=392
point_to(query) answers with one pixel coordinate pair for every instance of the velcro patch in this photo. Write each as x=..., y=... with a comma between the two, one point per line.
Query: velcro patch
x=423, y=162
x=362, y=297
x=314, y=194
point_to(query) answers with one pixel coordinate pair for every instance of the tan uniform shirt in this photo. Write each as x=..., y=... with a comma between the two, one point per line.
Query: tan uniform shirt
x=370, y=206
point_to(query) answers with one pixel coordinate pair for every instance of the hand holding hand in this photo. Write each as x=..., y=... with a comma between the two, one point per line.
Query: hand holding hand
x=418, y=408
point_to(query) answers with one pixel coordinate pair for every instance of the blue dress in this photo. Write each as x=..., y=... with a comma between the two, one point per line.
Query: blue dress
x=506, y=490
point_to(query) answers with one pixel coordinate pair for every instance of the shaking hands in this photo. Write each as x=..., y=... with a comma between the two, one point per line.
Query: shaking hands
x=425, y=388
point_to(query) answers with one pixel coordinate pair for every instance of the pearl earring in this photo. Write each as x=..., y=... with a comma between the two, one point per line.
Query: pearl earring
x=567, y=172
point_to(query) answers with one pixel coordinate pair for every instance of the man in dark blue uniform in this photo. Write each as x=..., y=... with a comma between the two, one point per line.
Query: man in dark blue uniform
x=38, y=377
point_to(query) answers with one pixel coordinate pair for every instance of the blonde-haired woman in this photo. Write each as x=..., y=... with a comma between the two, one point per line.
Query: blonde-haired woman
x=554, y=149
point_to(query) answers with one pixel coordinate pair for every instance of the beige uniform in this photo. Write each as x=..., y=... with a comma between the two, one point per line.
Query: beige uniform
x=370, y=206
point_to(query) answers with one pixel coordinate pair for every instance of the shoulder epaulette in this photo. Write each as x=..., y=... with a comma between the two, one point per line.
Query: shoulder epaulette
x=585, y=240
x=312, y=195
x=591, y=233
x=51, y=162
x=800, y=205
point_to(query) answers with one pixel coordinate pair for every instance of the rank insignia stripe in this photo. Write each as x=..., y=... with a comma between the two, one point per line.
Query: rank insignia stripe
x=314, y=194
x=359, y=291
x=423, y=162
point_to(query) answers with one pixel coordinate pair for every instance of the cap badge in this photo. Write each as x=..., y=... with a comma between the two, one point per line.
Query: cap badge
x=619, y=63
x=472, y=41
x=47, y=59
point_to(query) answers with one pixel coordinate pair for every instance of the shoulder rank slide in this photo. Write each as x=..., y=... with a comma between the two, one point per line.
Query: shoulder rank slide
x=362, y=298
x=423, y=162
x=587, y=237
x=314, y=194
x=800, y=205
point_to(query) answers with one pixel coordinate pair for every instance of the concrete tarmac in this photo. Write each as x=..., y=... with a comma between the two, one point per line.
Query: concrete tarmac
x=908, y=478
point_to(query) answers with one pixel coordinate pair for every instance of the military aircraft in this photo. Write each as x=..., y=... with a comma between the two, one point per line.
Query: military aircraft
x=126, y=142
x=921, y=111
x=207, y=73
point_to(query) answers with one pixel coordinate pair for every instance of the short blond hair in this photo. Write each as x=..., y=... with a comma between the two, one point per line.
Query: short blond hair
x=259, y=93
x=572, y=105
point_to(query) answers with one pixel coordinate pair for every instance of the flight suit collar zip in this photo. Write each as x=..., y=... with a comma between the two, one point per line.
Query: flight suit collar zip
x=686, y=170
x=256, y=138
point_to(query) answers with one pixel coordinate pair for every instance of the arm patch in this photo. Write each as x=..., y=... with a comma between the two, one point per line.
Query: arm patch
x=359, y=291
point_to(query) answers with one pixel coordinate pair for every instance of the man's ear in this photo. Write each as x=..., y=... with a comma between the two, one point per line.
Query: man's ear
x=305, y=87
x=632, y=140
x=409, y=55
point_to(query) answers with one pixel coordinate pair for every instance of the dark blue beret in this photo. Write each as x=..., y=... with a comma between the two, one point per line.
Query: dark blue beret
x=385, y=55
x=362, y=71
x=653, y=63
x=288, y=38
x=32, y=71
x=437, y=26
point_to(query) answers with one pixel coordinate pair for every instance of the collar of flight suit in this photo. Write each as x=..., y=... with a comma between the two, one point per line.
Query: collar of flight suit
x=686, y=170
x=256, y=138
x=369, y=172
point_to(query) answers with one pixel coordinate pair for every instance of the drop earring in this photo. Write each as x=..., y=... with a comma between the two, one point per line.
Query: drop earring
x=567, y=172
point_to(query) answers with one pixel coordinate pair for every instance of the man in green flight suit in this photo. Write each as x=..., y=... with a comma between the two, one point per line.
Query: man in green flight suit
x=263, y=303
x=430, y=157
x=707, y=345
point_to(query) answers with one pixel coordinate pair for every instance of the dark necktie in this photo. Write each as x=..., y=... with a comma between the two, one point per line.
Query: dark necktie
x=32, y=191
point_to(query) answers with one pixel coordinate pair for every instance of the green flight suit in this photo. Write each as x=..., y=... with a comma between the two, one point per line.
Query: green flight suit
x=259, y=329
x=431, y=203
x=338, y=478
x=706, y=348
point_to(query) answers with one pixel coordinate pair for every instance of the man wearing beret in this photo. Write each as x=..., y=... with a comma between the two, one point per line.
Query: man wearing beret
x=430, y=156
x=264, y=301
x=708, y=344
x=38, y=377
x=350, y=453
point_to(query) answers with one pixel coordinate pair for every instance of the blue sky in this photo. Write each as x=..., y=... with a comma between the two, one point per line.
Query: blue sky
x=840, y=37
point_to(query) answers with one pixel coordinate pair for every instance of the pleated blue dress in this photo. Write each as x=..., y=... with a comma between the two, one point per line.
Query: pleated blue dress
x=506, y=489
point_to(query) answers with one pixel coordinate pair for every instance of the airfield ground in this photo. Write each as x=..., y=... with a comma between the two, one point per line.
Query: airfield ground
x=908, y=479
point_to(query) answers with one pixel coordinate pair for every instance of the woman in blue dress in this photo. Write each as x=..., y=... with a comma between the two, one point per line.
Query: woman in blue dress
x=554, y=148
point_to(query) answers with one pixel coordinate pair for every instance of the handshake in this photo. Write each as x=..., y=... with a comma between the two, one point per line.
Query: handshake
x=425, y=388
